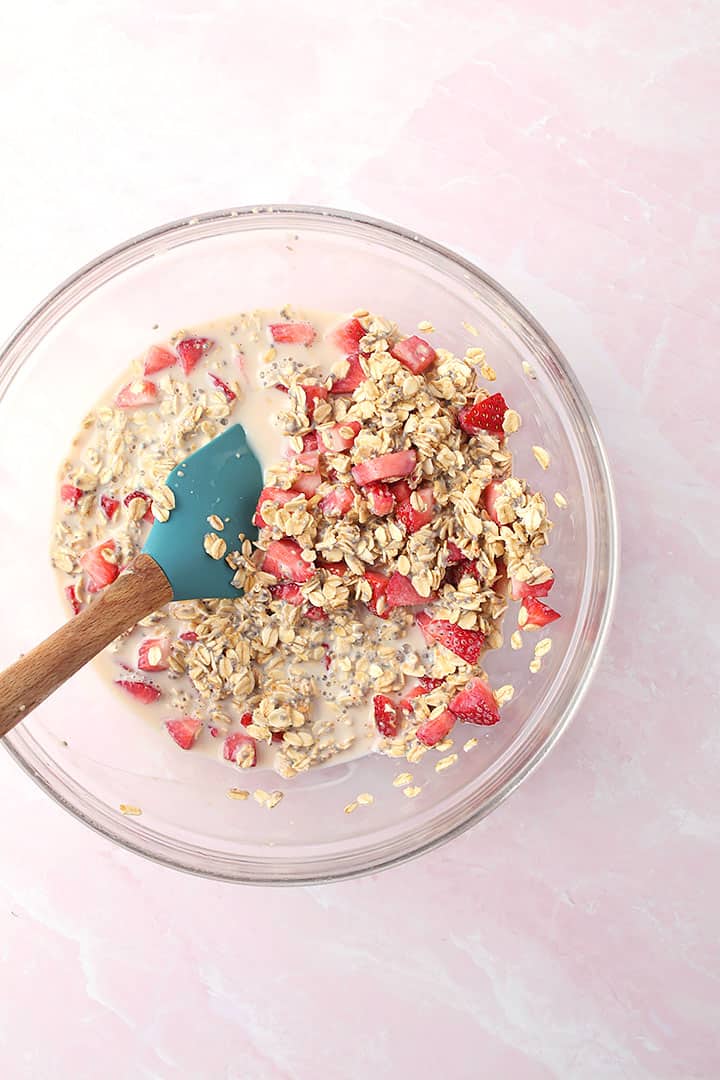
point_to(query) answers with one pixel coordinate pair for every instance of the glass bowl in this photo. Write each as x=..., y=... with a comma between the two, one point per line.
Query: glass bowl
x=87, y=750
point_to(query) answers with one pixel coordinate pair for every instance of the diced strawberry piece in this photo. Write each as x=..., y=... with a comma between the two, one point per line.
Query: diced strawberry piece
x=189, y=636
x=293, y=333
x=351, y=379
x=415, y=354
x=490, y=496
x=71, y=494
x=153, y=654
x=272, y=495
x=385, y=467
x=100, y=564
x=378, y=601
x=191, y=351
x=539, y=614
x=476, y=704
x=486, y=415
x=347, y=336
x=313, y=394
x=337, y=568
x=246, y=719
x=241, y=750
x=317, y=614
x=431, y=732
x=218, y=382
x=338, y=437
x=429, y=684
x=143, y=692
x=284, y=560
x=402, y=593
x=137, y=393
x=423, y=687
x=465, y=568
x=109, y=506
x=380, y=499
x=184, y=731
x=73, y=600
x=157, y=358
x=308, y=482
x=387, y=720
x=519, y=590
x=337, y=502
x=401, y=491
x=455, y=555
x=289, y=592
x=414, y=519
x=310, y=442
x=467, y=644
x=148, y=515
x=309, y=458
x=283, y=389
x=214, y=732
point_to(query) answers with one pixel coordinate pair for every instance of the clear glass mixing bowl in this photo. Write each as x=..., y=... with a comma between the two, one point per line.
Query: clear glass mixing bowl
x=83, y=747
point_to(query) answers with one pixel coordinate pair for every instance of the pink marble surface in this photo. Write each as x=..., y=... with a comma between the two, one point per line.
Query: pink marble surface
x=571, y=148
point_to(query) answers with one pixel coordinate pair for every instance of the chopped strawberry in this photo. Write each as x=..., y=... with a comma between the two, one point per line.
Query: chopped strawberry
x=148, y=515
x=240, y=749
x=191, y=351
x=467, y=644
x=184, y=731
x=288, y=592
x=378, y=601
x=71, y=494
x=153, y=654
x=519, y=590
x=486, y=415
x=218, y=382
x=189, y=636
x=308, y=482
x=415, y=354
x=73, y=600
x=455, y=555
x=347, y=336
x=284, y=560
x=476, y=704
x=246, y=719
x=138, y=392
x=385, y=467
x=431, y=732
x=386, y=716
x=109, y=506
x=401, y=491
x=283, y=389
x=317, y=614
x=412, y=518
x=143, y=692
x=490, y=496
x=338, y=437
x=214, y=731
x=429, y=684
x=157, y=358
x=272, y=495
x=293, y=333
x=337, y=502
x=352, y=378
x=313, y=394
x=538, y=614
x=337, y=568
x=310, y=442
x=100, y=564
x=457, y=571
x=309, y=458
x=380, y=499
x=402, y=593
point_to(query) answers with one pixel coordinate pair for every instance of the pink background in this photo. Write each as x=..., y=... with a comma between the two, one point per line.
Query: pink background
x=574, y=155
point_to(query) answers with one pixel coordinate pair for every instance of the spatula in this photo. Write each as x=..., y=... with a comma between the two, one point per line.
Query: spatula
x=222, y=479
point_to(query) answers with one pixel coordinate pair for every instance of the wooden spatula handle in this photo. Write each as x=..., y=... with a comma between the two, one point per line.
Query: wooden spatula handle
x=37, y=674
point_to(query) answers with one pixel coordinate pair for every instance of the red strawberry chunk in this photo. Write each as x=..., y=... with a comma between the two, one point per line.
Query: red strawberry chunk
x=143, y=692
x=402, y=593
x=429, y=684
x=378, y=601
x=138, y=392
x=71, y=494
x=184, y=730
x=386, y=716
x=284, y=560
x=412, y=518
x=100, y=564
x=246, y=719
x=189, y=635
x=538, y=614
x=455, y=555
x=157, y=358
x=486, y=415
x=109, y=506
x=351, y=379
x=191, y=351
x=317, y=614
x=310, y=442
x=289, y=592
x=467, y=644
x=337, y=502
x=308, y=482
x=272, y=495
x=347, y=336
x=401, y=491
x=476, y=704
x=490, y=497
x=337, y=568
x=431, y=732
x=385, y=467
x=313, y=394
x=338, y=437
x=293, y=333
x=148, y=515
x=380, y=499
x=415, y=354
x=218, y=382
x=73, y=600
x=519, y=590
x=153, y=654
x=241, y=750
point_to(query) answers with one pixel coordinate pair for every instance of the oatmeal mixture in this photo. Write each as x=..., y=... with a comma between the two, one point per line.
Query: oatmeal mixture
x=393, y=535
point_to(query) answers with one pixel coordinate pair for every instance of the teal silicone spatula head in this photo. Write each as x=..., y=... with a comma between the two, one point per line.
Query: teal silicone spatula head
x=223, y=479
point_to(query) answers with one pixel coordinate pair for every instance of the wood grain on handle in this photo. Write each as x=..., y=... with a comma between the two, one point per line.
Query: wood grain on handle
x=37, y=674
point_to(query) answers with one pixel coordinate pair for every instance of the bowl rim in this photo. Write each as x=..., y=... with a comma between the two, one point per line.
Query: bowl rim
x=47, y=313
